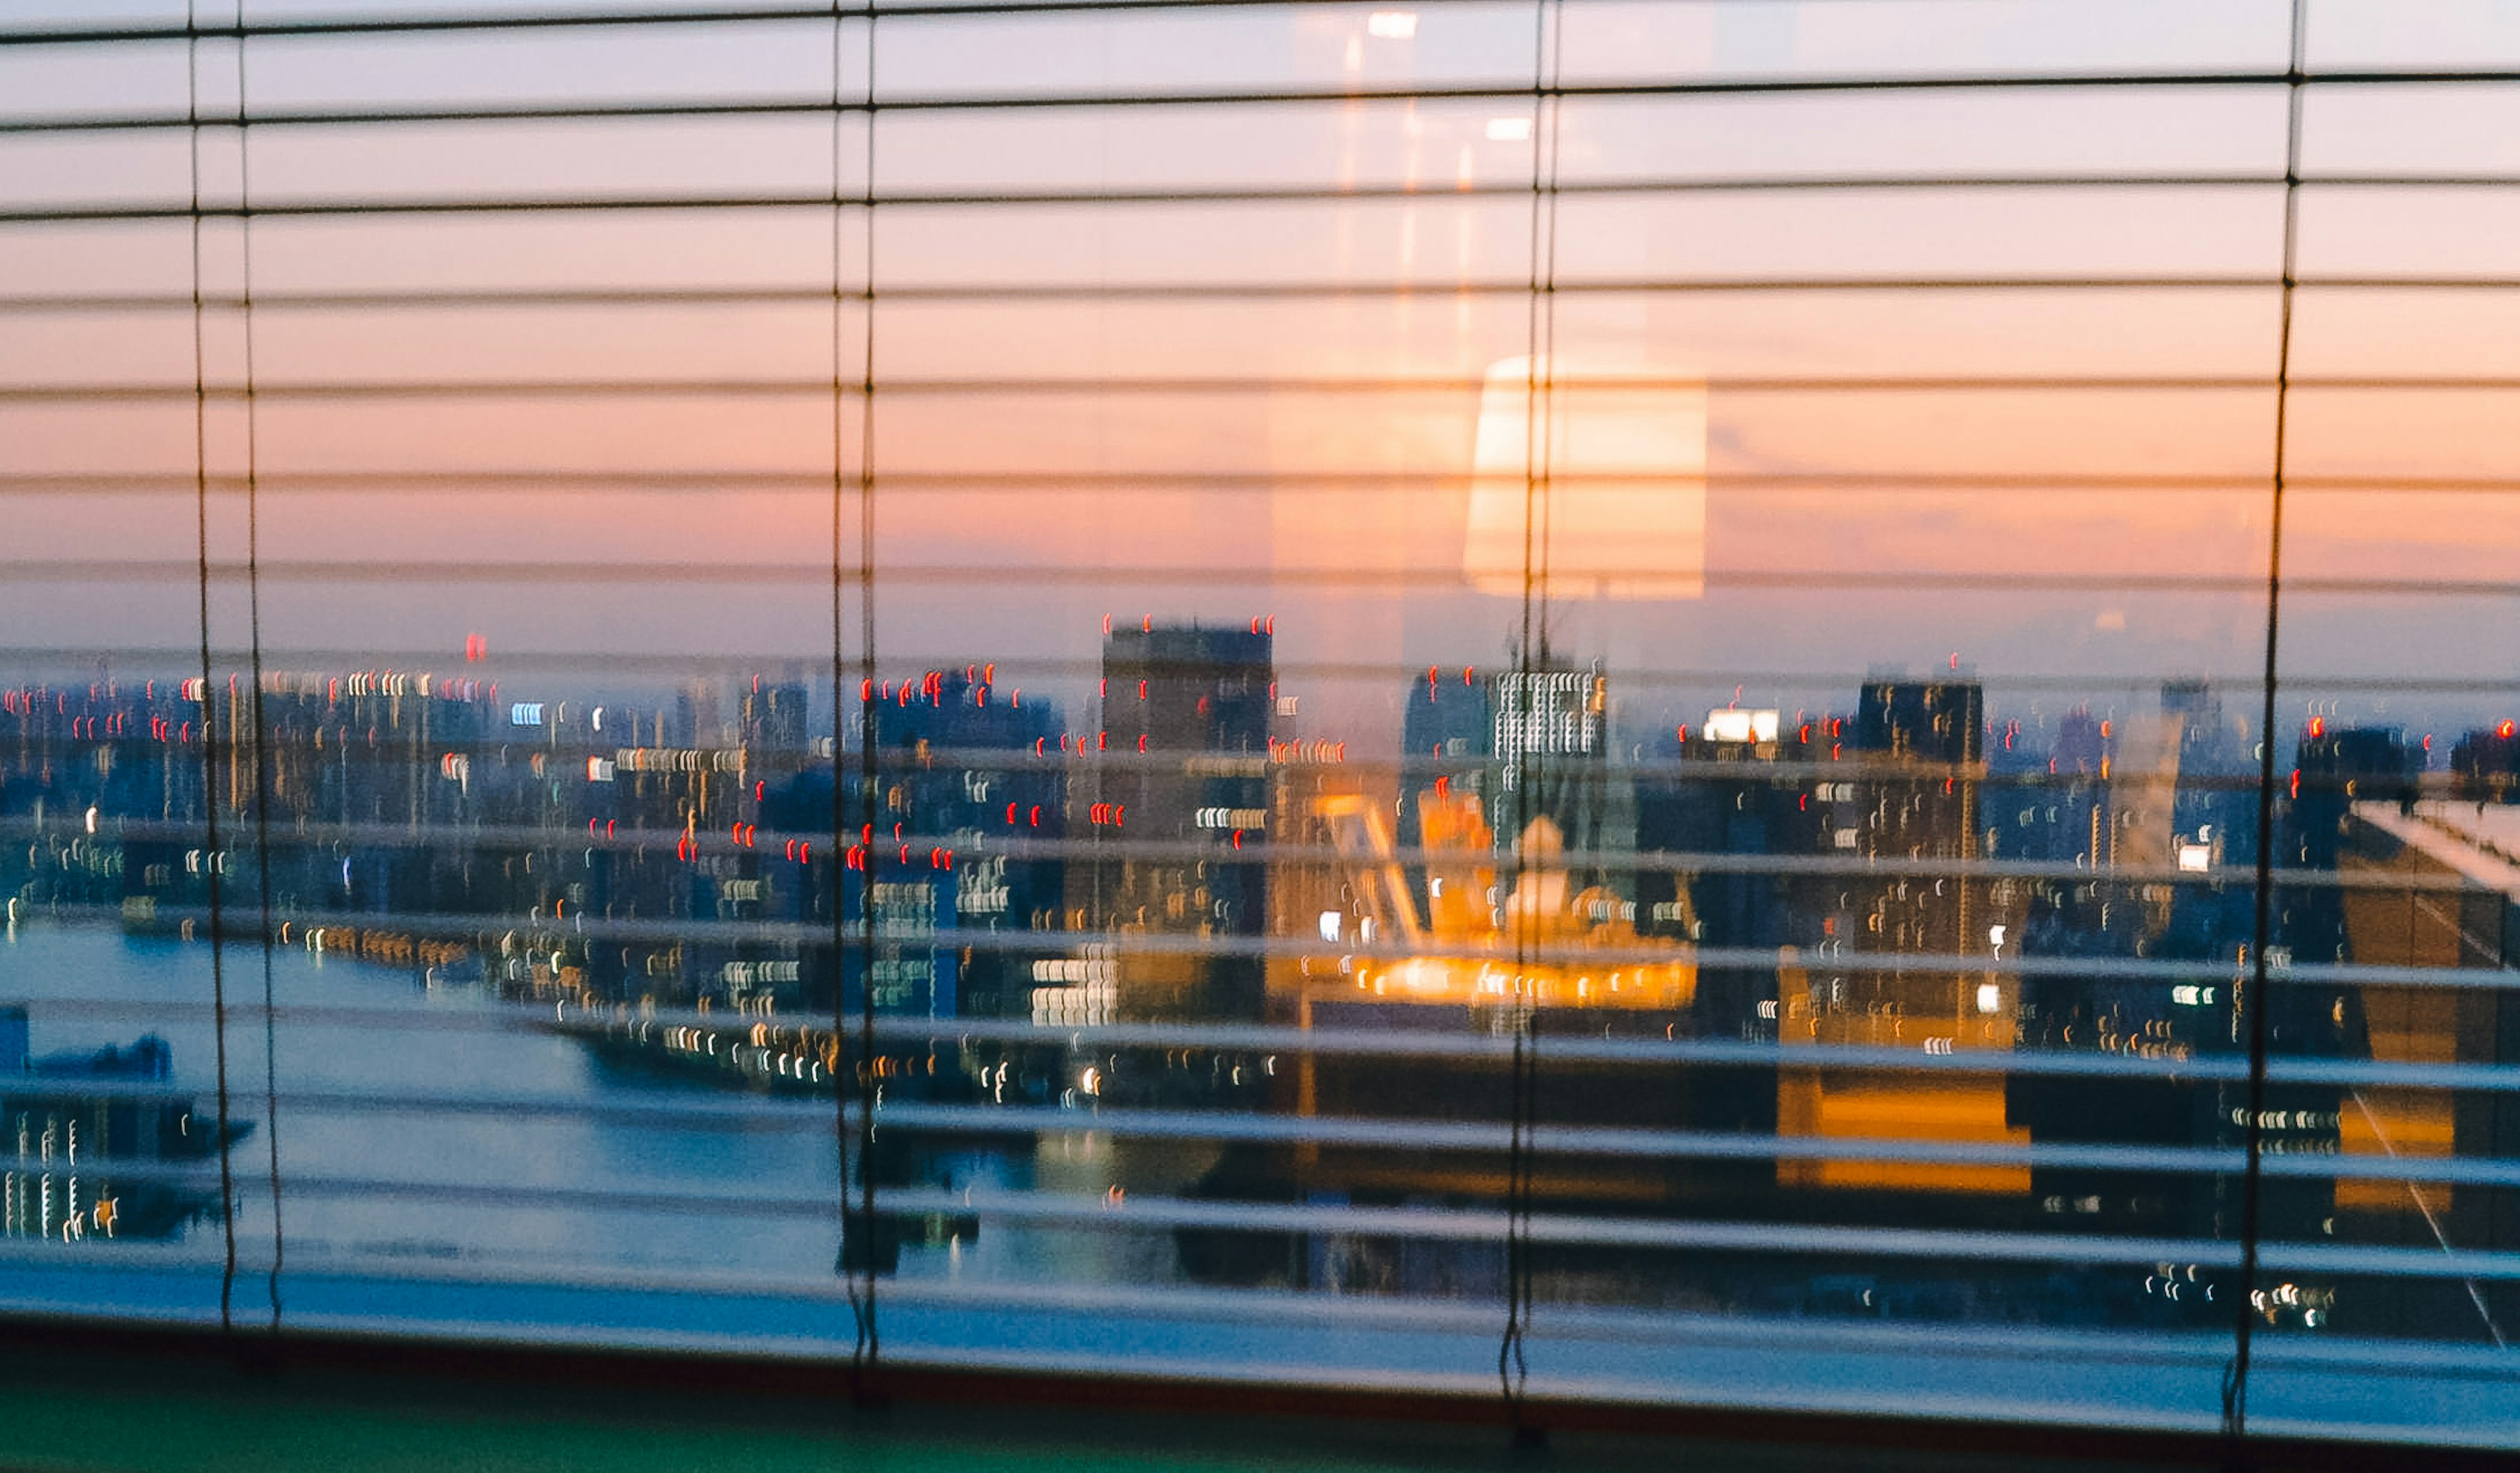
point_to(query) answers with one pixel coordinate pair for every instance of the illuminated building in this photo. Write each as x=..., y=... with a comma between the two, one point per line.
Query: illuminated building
x=1920, y=762
x=1448, y=733
x=1523, y=745
x=1911, y=806
x=1737, y=785
x=1551, y=746
x=968, y=768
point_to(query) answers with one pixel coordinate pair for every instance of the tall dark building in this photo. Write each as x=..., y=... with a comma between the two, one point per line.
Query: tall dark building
x=1180, y=757
x=1921, y=753
x=2485, y=764
x=1447, y=733
x=1715, y=794
x=966, y=775
x=2336, y=769
x=976, y=765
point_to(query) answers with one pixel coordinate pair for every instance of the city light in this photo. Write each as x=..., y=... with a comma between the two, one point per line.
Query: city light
x=2058, y=942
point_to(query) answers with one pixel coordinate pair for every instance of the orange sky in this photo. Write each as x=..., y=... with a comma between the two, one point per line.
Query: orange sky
x=1323, y=471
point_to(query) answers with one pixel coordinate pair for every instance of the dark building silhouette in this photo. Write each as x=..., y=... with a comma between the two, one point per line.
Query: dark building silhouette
x=1920, y=759
x=1447, y=734
x=2485, y=764
x=1180, y=757
x=1713, y=795
x=964, y=767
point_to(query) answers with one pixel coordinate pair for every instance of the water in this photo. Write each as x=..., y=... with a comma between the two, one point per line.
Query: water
x=499, y=1190
x=408, y=1255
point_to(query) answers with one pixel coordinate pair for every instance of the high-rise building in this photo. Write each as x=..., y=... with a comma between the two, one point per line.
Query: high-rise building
x=1909, y=809
x=1447, y=734
x=1550, y=737
x=1737, y=785
x=1179, y=758
x=1921, y=753
x=967, y=782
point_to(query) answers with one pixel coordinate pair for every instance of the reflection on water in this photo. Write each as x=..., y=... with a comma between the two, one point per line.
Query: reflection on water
x=512, y=1170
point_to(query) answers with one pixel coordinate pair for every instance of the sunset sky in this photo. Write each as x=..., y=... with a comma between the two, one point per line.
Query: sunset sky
x=2065, y=484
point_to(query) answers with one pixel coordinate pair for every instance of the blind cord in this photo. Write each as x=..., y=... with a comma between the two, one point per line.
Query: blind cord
x=261, y=745
x=866, y=753
x=209, y=701
x=1513, y=1369
x=2254, y=1008
x=843, y=1090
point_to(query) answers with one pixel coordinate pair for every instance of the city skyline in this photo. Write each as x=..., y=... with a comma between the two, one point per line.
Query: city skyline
x=1747, y=707
x=2104, y=517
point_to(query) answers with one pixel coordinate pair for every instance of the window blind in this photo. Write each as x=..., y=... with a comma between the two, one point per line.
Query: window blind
x=1759, y=702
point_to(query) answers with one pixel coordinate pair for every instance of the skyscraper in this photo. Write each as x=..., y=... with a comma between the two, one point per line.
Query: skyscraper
x=1179, y=757
x=1909, y=809
x=1549, y=743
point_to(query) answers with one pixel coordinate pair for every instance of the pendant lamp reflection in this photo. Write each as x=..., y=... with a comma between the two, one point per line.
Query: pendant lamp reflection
x=1619, y=506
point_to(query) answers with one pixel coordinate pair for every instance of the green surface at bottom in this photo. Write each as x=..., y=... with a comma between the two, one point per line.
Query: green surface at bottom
x=184, y=1421
x=95, y=1412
